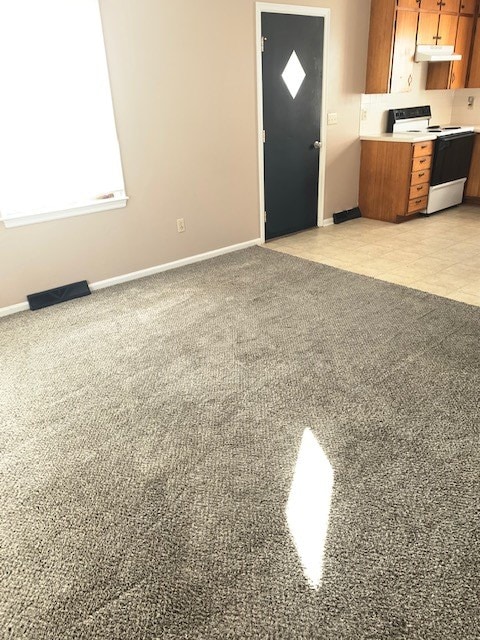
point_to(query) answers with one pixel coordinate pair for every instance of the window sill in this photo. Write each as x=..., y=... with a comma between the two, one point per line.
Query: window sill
x=92, y=207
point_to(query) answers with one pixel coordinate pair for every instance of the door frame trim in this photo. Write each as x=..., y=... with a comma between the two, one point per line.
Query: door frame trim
x=267, y=7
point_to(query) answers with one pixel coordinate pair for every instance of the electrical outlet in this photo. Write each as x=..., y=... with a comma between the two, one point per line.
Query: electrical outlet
x=332, y=118
x=180, y=225
x=363, y=114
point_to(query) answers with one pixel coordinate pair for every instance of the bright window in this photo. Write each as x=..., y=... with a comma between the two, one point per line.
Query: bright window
x=59, y=152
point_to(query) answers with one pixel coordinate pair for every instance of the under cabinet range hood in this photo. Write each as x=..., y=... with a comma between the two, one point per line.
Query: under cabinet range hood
x=435, y=53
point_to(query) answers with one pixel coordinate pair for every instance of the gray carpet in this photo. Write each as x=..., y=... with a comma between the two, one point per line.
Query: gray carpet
x=149, y=440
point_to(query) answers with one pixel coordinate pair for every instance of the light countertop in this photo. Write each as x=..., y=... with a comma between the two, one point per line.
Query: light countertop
x=402, y=137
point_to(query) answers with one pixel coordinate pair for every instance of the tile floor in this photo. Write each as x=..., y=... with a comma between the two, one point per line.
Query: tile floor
x=439, y=254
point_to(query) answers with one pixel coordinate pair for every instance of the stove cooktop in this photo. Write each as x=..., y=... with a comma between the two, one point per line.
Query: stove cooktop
x=445, y=131
x=439, y=131
x=417, y=120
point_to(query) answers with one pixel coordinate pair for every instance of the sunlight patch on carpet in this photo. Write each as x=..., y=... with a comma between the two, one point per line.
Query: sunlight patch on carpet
x=308, y=506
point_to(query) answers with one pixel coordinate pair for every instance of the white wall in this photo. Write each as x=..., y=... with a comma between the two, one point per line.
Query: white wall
x=461, y=113
x=183, y=79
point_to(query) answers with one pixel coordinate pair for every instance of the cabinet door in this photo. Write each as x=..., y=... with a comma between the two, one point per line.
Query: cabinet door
x=452, y=75
x=474, y=75
x=385, y=179
x=467, y=6
x=408, y=4
x=403, y=51
x=450, y=5
x=472, y=188
x=434, y=28
x=428, y=28
x=462, y=46
x=430, y=5
x=380, y=46
x=447, y=29
x=443, y=5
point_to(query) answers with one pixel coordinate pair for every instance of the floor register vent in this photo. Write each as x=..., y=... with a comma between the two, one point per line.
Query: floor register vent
x=58, y=295
x=343, y=216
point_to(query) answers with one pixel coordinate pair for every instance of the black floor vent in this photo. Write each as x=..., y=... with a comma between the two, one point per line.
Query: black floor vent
x=60, y=294
x=343, y=216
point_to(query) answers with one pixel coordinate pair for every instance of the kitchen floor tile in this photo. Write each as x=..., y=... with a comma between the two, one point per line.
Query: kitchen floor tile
x=438, y=289
x=463, y=271
x=472, y=288
x=462, y=296
x=439, y=254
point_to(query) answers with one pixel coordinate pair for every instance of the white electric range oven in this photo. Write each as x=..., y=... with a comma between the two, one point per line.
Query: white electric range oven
x=451, y=157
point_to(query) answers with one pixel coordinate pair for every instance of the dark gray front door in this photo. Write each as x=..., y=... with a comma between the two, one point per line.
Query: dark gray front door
x=292, y=66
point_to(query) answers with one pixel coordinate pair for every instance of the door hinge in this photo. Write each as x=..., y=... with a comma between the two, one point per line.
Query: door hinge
x=264, y=136
x=263, y=43
x=264, y=216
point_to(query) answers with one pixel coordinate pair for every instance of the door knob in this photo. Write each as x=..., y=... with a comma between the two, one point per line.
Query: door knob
x=317, y=144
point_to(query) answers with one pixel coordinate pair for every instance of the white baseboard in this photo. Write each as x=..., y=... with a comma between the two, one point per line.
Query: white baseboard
x=327, y=222
x=14, y=308
x=135, y=275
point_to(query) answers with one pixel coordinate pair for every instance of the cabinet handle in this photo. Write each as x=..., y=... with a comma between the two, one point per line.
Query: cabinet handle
x=417, y=201
x=410, y=78
x=420, y=175
x=419, y=188
x=422, y=161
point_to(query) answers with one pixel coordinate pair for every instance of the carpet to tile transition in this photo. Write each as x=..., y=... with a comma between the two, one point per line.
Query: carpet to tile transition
x=254, y=447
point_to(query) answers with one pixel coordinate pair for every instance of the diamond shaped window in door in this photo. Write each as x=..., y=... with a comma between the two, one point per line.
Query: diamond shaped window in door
x=293, y=75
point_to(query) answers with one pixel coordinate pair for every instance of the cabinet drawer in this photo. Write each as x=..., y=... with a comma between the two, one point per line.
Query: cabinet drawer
x=423, y=148
x=417, y=204
x=418, y=191
x=420, y=176
x=425, y=162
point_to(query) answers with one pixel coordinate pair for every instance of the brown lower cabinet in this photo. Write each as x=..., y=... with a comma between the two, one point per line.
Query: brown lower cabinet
x=394, y=179
x=472, y=188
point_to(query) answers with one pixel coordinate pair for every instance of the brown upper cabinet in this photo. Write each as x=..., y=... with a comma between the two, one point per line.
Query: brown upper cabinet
x=440, y=5
x=391, y=47
x=437, y=28
x=453, y=75
x=468, y=6
x=474, y=74
x=432, y=5
x=460, y=73
x=403, y=52
x=397, y=26
x=408, y=4
x=463, y=44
